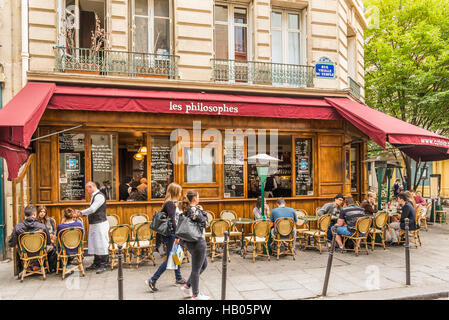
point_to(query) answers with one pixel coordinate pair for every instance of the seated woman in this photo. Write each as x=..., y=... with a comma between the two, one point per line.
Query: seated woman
x=43, y=218
x=257, y=211
x=369, y=204
x=69, y=220
x=420, y=203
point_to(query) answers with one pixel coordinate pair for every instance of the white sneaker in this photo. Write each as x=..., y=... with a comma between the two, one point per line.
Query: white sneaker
x=200, y=297
x=186, y=290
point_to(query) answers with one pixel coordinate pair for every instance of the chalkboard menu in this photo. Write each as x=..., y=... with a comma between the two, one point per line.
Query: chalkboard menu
x=303, y=167
x=103, y=163
x=233, y=168
x=71, y=166
x=161, y=166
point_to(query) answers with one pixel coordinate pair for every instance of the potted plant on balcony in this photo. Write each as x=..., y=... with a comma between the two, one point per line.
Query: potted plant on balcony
x=85, y=60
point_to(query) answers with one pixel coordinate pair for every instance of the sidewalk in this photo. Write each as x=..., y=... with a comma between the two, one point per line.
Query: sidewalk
x=379, y=275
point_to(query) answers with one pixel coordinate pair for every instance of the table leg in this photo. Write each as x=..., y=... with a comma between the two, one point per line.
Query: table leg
x=243, y=236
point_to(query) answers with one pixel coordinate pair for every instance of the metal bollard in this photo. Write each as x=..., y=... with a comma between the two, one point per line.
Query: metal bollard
x=224, y=267
x=329, y=262
x=120, y=273
x=407, y=252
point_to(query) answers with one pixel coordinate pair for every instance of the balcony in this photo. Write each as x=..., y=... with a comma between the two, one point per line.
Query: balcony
x=115, y=63
x=354, y=87
x=254, y=72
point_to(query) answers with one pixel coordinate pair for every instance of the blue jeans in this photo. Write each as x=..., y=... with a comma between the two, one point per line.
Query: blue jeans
x=168, y=242
x=343, y=231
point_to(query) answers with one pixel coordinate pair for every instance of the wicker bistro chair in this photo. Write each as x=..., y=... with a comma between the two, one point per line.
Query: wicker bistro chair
x=234, y=234
x=423, y=220
x=319, y=235
x=210, y=218
x=284, y=233
x=113, y=219
x=120, y=234
x=33, y=247
x=378, y=228
x=138, y=218
x=413, y=233
x=260, y=231
x=70, y=239
x=142, y=245
x=362, y=227
x=300, y=226
x=218, y=227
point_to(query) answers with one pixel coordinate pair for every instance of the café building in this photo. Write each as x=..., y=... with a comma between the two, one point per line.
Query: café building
x=199, y=140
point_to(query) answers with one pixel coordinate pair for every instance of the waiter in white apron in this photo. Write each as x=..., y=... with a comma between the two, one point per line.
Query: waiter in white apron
x=98, y=228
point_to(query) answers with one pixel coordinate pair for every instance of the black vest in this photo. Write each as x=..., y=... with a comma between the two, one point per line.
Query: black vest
x=99, y=215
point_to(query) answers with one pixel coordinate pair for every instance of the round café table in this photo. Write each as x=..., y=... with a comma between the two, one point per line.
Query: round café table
x=242, y=222
x=306, y=220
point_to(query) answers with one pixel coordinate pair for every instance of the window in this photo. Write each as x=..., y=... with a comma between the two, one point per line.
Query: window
x=279, y=179
x=151, y=26
x=103, y=163
x=285, y=37
x=79, y=21
x=304, y=166
x=231, y=32
x=199, y=165
x=354, y=168
x=71, y=167
x=161, y=166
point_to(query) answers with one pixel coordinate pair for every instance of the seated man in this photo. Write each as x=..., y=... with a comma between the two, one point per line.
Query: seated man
x=347, y=220
x=333, y=209
x=70, y=220
x=407, y=212
x=282, y=212
x=369, y=204
x=30, y=224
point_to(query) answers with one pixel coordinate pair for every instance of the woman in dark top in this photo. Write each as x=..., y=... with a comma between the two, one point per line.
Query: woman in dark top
x=70, y=220
x=171, y=208
x=369, y=204
x=47, y=221
x=197, y=249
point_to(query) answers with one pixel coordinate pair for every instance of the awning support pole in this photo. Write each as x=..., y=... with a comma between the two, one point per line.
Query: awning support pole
x=58, y=132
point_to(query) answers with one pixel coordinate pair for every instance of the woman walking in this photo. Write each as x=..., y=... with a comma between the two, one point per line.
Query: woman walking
x=197, y=249
x=171, y=208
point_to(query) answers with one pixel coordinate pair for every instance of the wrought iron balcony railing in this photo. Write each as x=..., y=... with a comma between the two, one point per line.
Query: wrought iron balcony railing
x=262, y=73
x=354, y=87
x=110, y=62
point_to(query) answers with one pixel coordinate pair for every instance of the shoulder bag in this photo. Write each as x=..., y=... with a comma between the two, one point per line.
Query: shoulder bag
x=161, y=223
x=188, y=230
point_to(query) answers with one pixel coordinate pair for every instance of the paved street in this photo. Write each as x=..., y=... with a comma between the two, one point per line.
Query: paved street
x=380, y=275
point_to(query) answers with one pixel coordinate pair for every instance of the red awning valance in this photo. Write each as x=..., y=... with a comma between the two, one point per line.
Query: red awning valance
x=416, y=142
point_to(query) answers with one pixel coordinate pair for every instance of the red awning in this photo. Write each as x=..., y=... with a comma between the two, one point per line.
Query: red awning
x=416, y=142
x=20, y=117
x=18, y=121
x=175, y=102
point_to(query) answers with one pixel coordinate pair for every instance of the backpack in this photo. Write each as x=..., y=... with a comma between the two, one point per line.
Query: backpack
x=161, y=223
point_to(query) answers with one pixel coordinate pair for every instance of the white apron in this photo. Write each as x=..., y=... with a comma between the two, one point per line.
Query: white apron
x=98, y=238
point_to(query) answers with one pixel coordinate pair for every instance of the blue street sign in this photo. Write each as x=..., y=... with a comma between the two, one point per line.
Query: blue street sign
x=325, y=68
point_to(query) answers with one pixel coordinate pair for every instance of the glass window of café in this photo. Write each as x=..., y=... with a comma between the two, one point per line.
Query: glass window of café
x=279, y=180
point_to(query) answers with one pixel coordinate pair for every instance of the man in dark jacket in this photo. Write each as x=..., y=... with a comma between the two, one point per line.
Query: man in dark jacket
x=30, y=224
x=407, y=212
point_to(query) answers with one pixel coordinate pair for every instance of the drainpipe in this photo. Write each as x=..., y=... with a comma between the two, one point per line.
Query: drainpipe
x=25, y=51
x=2, y=189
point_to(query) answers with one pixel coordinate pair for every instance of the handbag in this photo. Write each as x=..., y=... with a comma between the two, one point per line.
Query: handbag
x=161, y=223
x=188, y=230
x=178, y=255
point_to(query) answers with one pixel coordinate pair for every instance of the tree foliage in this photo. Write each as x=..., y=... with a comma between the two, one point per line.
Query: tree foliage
x=407, y=63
